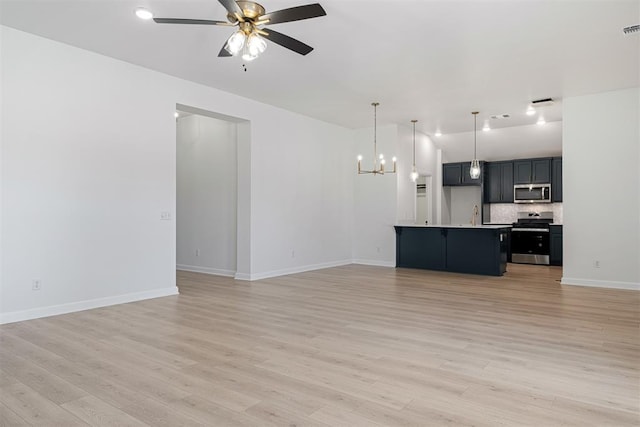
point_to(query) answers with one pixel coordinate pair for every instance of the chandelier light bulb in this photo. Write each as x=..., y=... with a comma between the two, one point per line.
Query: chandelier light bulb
x=359, y=157
x=394, y=159
x=381, y=156
x=236, y=42
x=383, y=161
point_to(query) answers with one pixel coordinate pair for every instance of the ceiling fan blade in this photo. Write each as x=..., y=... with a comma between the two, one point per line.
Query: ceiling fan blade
x=231, y=6
x=223, y=52
x=288, y=42
x=190, y=21
x=294, y=14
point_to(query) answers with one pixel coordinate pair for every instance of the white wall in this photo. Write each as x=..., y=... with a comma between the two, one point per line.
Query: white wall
x=88, y=165
x=601, y=192
x=206, y=195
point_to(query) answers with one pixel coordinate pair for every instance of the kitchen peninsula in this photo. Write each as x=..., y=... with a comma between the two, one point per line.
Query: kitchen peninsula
x=480, y=249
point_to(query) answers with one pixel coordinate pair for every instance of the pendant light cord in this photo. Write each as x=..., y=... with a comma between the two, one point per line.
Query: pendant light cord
x=375, y=141
x=414, y=142
x=475, y=133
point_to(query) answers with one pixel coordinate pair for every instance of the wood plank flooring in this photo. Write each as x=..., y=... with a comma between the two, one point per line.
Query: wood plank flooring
x=346, y=346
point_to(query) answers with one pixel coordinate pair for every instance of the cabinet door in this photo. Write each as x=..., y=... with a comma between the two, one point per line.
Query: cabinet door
x=555, y=245
x=420, y=248
x=493, y=183
x=522, y=172
x=556, y=179
x=451, y=173
x=466, y=175
x=506, y=181
x=541, y=171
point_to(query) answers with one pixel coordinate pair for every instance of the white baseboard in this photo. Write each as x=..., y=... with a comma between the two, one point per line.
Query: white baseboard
x=376, y=263
x=600, y=283
x=206, y=270
x=54, y=310
x=242, y=276
x=293, y=270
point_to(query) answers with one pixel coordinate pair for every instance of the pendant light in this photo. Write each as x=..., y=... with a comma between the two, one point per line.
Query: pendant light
x=474, y=170
x=378, y=168
x=414, y=171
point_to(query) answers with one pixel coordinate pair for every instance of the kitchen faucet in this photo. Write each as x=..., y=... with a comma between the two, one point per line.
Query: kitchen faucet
x=474, y=214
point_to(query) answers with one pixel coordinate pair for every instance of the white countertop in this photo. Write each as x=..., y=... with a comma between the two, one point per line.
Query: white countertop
x=486, y=226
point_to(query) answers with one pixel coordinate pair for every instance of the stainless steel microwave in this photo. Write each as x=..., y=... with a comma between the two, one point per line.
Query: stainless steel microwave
x=532, y=193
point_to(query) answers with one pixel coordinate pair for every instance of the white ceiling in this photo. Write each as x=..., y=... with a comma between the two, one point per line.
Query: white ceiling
x=434, y=61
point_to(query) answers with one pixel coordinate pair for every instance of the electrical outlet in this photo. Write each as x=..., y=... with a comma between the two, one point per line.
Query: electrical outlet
x=165, y=216
x=197, y=252
x=378, y=249
x=36, y=285
x=596, y=264
x=293, y=254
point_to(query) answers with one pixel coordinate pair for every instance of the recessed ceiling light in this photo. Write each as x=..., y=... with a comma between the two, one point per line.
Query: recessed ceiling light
x=438, y=133
x=176, y=114
x=530, y=111
x=541, y=121
x=486, y=127
x=143, y=13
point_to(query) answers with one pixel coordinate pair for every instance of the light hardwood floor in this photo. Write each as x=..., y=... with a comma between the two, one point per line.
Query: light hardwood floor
x=346, y=346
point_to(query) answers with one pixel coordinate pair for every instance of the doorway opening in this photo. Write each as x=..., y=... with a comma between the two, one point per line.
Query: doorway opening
x=207, y=163
x=424, y=200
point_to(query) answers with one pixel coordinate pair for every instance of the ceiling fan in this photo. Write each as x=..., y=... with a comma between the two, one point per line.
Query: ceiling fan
x=250, y=18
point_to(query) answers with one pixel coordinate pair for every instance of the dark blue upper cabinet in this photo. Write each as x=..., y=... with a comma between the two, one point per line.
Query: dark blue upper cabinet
x=458, y=174
x=532, y=171
x=451, y=174
x=499, y=182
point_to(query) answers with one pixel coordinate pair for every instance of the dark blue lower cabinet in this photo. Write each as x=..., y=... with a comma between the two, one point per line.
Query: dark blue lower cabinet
x=461, y=250
x=555, y=245
x=411, y=251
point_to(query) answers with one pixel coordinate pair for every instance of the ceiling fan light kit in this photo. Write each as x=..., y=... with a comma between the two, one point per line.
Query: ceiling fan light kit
x=250, y=18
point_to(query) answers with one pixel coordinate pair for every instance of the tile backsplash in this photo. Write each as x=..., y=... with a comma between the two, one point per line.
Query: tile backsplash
x=507, y=213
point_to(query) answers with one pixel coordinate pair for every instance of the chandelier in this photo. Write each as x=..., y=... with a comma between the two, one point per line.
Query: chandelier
x=474, y=170
x=378, y=161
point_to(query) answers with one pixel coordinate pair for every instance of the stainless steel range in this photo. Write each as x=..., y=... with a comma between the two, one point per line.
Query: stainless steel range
x=530, y=238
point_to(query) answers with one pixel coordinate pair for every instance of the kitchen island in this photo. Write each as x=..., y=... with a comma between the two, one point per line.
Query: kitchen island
x=480, y=249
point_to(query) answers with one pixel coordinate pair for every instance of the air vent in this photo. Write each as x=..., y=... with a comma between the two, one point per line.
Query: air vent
x=501, y=116
x=632, y=29
x=542, y=102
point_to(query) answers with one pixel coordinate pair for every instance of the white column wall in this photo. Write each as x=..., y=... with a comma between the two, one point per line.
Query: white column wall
x=406, y=213
x=601, y=189
x=206, y=195
x=426, y=164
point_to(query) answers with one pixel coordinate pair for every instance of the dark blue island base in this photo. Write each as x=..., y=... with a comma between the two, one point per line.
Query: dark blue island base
x=459, y=249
